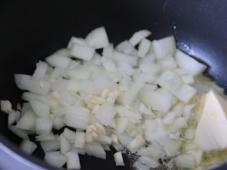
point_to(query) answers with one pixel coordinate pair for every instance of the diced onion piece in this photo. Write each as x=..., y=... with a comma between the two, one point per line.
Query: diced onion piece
x=168, y=62
x=52, y=145
x=29, y=83
x=105, y=113
x=40, y=108
x=133, y=91
x=185, y=161
x=79, y=151
x=136, y=144
x=97, y=38
x=79, y=139
x=6, y=106
x=188, y=79
x=73, y=161
x=82, y=52
x=185, y=93
x=160, y=100
x=58, y=122
x=164, y=47
x=154, y=130
x=149, y=67
x=43, y=125
x=144, y=47
x=197, y=154
x=125, y=69
x=170, y=146
x=105, y=139
x=76, y=40
x=69, y=135
x=169, y=118
x=28, y=96
x=138, y=36
x=64, y=144
x=55, y=158
x=175, y=85
x=189, y=64
x=119, y=159
x=121, y=124
x=28, y=146
x=126, y=112
x=124, y=139
x=27, y=121
x=124, y=58
x=145, y=163
x=41, y=69
x=154, y=150
x=96, y=150
x=13, y=117
x=127, y=48
x=77, y=118
x=108, y=51
x=45, y=137
x=108, y=64
x=59, y=59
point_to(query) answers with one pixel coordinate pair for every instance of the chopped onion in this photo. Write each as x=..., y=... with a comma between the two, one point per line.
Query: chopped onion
x=41, y=69
x=27, y=121
x=96, y=150
x=140, y=97
x=145, y=163
x=105, y=113
x=76, y=40
x=34, y=85
x=69, y=135
x=121, y=124
x=82, y=52
x=118, y=159
x=28, y=146
x=77, y=118
x=6, y=106
x=136, y=143
x=59, y=59
x=97, y=38
x=185, y=161
x=108, y=51
x=126, y=47
x=160, y=100
x=189, y=64
x=144, y=47
x=164, y=47
x=58, y=122
x=79, y=139
x=55, y=158
x=43, y=125
x=51, y=145
x=45, y=137
x=138, y=36
x=13, y=117
x=40, y=108
x=73, y=161
x=64, y=144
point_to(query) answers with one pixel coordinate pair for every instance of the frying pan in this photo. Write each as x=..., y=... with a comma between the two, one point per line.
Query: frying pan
x=32, y=30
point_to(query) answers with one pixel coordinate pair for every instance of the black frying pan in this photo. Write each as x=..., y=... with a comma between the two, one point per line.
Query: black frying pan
x=31, y=30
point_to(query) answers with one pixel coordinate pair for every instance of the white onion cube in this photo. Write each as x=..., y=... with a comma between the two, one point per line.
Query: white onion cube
x=82, y=52
x=97, y=38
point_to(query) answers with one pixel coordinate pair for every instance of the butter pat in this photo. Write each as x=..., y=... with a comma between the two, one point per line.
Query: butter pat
x=211, y=132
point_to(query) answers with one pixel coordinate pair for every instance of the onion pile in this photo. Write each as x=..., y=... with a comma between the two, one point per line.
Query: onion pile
x=139, y=97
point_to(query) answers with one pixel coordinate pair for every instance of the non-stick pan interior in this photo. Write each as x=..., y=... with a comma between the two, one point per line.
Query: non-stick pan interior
x=31, y=30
